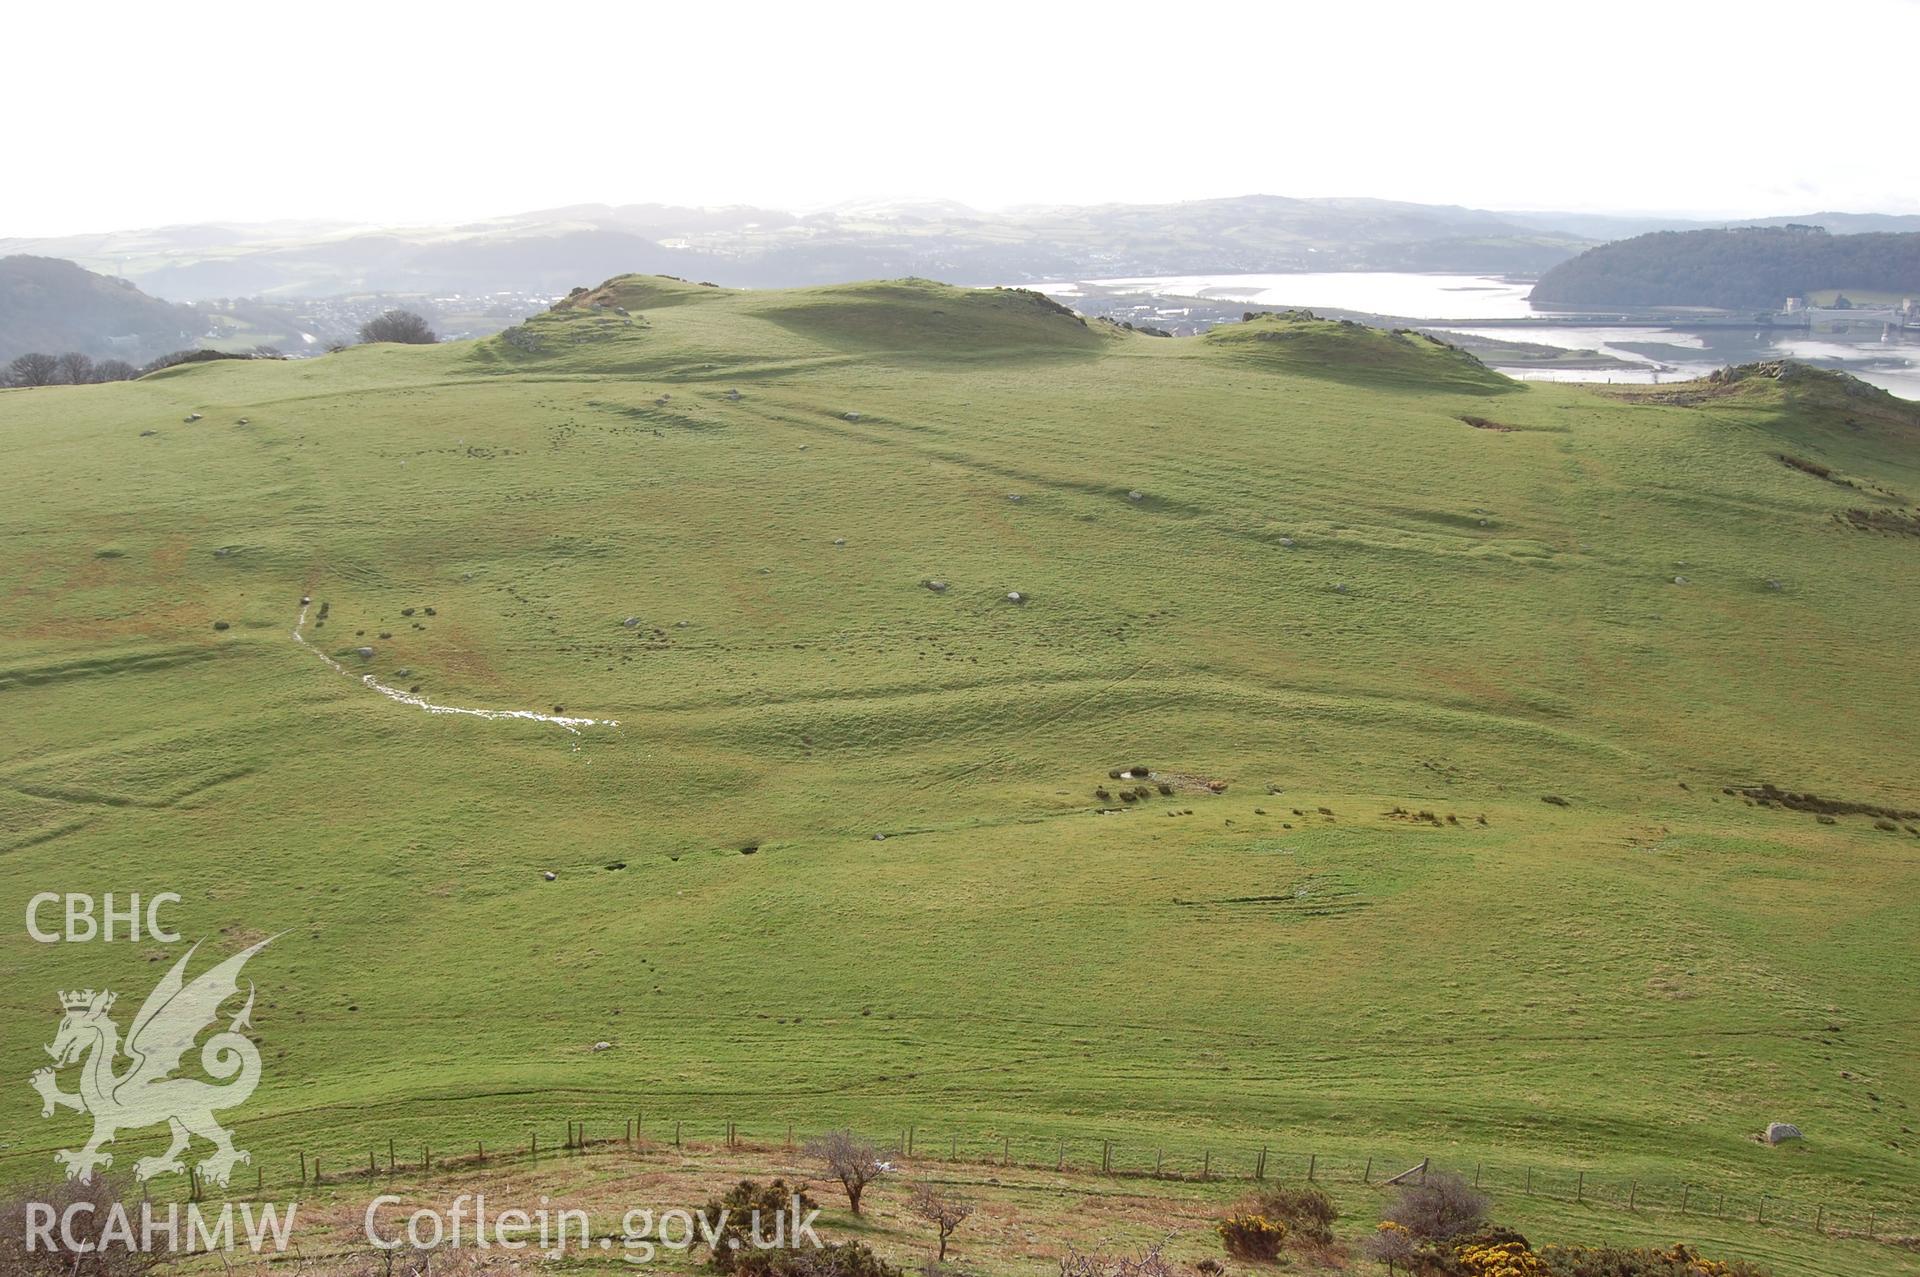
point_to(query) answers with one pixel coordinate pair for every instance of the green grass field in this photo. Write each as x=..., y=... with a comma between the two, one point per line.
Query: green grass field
x=1330, y=592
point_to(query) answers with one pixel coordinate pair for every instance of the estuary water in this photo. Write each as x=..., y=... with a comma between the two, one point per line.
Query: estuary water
x=1653, y=351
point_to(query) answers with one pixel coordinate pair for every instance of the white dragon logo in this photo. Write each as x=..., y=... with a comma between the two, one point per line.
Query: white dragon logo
x=144, y=1095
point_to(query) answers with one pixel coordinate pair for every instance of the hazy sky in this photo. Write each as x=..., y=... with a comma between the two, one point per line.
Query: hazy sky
x=135, y=114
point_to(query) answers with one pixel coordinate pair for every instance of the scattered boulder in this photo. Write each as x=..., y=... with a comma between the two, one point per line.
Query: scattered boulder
x=1340, y=588
x=1554, y=800
x=1681, y=580
x=364, y=653
x=1778, y=1131
x=938, y=587
x=632, y=622
x=148, y=434
x=1287, y=542
x=1015, y=497
x=549, y=875
x=603, y=1046
x=1136, y=495
x=219, y=625
x=851, y=416
x=193, y=416
x=1014, y=596
x=839, y=540
x=305, y=599
x=734, y=395
x=1774, y=583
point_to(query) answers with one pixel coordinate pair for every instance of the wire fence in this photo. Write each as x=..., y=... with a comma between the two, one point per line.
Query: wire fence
x=1126, y=1156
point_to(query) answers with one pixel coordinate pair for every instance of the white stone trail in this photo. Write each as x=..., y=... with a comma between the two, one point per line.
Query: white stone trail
x=571, y=724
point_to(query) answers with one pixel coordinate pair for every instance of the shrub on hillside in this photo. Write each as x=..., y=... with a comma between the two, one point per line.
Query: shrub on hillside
x=1671, y=1261
x=1248, y=1235
x=99, y=1254
x=1149, y=1263
x=1307, y=1212
x=837, y=1259
x=401, y=326
x=747, y=1218
x=1442, y=1208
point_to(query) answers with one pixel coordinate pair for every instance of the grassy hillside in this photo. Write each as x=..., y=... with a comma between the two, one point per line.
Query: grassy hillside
x=1453, y=686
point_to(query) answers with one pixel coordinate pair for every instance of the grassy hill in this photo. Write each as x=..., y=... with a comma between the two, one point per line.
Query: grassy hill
x=53, y=306
x=1451, y=691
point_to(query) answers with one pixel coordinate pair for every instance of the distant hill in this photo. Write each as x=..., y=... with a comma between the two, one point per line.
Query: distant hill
x=1757, y=267
x=55, y=306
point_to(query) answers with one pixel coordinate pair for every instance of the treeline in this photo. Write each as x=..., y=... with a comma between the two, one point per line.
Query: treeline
x=1749, y=268
x=76, y=369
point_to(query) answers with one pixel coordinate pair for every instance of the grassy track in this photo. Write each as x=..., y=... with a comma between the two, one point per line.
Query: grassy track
x=1329, y=585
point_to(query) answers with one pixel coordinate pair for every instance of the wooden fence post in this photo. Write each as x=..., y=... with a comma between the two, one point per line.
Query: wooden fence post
x=1206, y=1166
x=1260, y=1167
x=390, y=1162
x=303, y=1166
x=1580, y=1193
x=1820, y=1220
x=1006, y=1149
x=1529, y=1181
x=1366, y=1176
x=911, y=1131
x=1313, y=1160
x=1476, y=1174
x=1686, y=1191
x=1157, y=1154
x=1633, y=1194
x=676, y=1135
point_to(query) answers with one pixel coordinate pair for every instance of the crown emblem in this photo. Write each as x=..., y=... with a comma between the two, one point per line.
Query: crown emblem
x=83, y=1000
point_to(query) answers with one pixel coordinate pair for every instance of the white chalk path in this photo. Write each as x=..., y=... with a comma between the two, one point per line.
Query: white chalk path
x=418, y=702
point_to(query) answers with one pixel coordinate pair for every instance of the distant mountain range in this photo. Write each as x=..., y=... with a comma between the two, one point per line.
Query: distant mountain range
x=555, y=249
x=511, y=264
x=1758, y=267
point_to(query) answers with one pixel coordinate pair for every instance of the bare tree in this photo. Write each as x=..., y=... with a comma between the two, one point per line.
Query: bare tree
x=945, y=1212
x=114, y=370
x=76, y=369
x=398, y=325
x=849, y=1159
x=34, y=369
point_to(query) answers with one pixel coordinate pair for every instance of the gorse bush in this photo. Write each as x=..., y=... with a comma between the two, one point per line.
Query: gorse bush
x=1308, y=1213
x=750, y=1217
x=1247, y=1235
x=839, y=1259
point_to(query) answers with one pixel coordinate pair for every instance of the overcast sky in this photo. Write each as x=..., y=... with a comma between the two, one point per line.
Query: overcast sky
x=136, y=114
